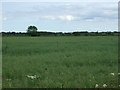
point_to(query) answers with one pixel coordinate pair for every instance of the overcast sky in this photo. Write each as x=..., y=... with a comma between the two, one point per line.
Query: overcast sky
x=60, y=16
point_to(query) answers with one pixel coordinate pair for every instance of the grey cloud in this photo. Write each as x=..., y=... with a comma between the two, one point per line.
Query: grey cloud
x=80, y=11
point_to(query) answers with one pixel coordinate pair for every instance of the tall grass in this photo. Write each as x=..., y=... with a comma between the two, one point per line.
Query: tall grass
x=60, y=62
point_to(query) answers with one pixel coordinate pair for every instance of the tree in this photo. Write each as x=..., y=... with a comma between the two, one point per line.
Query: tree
x=32, y=30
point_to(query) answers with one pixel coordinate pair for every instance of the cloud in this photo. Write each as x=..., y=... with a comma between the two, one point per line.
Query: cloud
x=46, y=15
x=67, y=17
x=69, y=11
x=4, y=18
x=59, y=0
x=60, y=17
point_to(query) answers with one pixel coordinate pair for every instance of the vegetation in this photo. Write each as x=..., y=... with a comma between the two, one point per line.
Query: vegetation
x=82, y=33
x=60, y=62
x=32, y=30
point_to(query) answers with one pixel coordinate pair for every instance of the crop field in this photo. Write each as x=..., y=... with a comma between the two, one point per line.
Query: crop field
x=60, y=62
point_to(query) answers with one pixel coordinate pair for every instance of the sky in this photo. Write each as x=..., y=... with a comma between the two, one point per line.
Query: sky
x=60, y=16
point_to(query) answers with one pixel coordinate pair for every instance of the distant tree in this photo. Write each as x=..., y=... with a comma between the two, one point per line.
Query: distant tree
x=32, y=30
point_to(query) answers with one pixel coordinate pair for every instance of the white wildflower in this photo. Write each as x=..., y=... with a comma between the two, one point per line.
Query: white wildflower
x=32, y=77
x=104, y=85
x=119, y=85
x=112, y=74
x=118, y=73
x=96, y=85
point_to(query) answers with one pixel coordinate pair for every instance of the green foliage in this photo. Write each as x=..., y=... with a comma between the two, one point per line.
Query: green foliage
x=32, y=30
x=60, y=62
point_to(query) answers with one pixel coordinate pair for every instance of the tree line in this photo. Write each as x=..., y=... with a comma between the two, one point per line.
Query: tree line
x=32, y=31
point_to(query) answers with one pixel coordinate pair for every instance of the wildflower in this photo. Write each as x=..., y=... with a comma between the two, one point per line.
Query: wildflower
x=33, y=77
x=118, y=73
x=119, y=85
x=112, y=74
x=104, y=85
x=96, y=85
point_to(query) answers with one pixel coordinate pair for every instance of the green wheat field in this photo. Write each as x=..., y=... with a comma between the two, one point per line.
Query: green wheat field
x=60, y=62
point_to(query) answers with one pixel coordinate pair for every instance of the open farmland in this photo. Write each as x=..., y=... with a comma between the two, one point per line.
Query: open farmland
x=60, y=62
